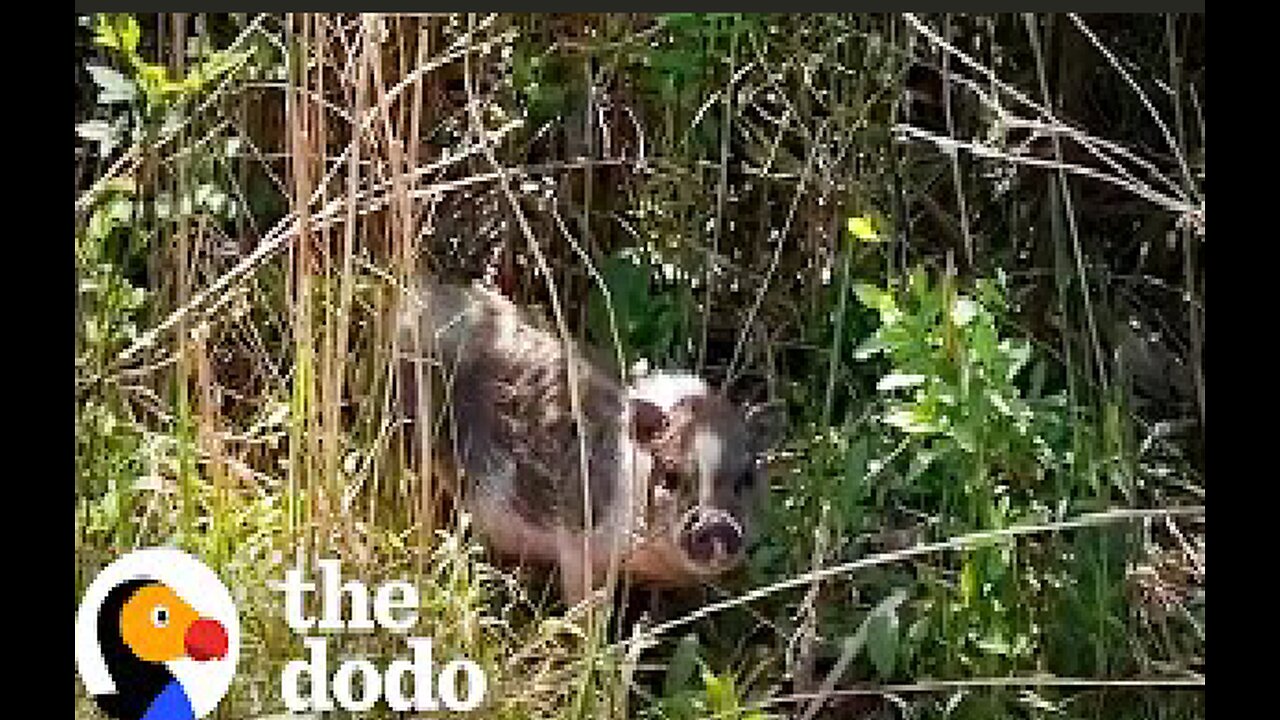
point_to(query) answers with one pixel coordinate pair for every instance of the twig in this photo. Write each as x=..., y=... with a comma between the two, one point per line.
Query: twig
x=960, y=542
x=930, y=686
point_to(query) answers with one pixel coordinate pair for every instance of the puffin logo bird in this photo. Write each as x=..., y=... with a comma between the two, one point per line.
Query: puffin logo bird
x=153, y=645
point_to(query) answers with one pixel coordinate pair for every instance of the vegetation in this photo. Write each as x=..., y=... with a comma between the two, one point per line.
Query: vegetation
x=966, y=252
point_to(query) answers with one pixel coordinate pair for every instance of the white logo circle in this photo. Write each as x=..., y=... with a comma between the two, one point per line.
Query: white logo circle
x=205, y=682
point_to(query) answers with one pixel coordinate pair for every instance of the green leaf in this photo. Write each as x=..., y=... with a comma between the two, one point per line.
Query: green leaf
x=965, y=436
x=95, y=131
x=882, y=640
x=920, y=462
x=911, y=419
x=861, y=229
x=893, y=381
x=999, y=402
x=879, y=631
x=722, y=696
x=683, y=662
x=968, y=582
x=874, y=298
x=963, y=311
x=1019, y=354
x=871, y=346
x=106, y=136
x=995, y=645
x=1037, y=380
x=117, y=31
x=120, y=210
x=113, y=87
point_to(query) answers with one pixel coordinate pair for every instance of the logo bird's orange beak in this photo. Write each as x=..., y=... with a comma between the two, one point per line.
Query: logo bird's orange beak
x=206, y=640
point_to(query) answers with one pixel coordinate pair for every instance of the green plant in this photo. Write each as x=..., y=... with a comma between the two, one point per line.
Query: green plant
x=148, y=85
x=647, y=312
x=692, y=689
x=980, y=453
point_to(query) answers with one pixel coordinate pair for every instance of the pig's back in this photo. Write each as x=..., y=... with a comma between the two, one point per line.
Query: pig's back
x=516, y=438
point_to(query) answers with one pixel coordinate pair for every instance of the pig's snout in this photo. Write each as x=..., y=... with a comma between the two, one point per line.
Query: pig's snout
x=711, y=538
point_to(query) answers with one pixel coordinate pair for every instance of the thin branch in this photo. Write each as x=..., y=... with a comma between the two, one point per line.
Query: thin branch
x=961, y=542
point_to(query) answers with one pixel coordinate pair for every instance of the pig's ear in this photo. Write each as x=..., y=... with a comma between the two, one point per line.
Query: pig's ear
x=647, y=420
x=766, y=425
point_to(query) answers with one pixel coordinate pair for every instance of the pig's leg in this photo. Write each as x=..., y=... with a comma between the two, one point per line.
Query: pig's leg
x=579, y=578
x=509, y=534
x=574, y=582
x=655, y=602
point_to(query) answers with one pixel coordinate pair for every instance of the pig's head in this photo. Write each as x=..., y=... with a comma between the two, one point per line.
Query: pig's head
x=700, y=475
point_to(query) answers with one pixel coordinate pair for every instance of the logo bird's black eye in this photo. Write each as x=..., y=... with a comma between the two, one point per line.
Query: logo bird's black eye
x=671, y=480
x=744, y=481
x=160, y=616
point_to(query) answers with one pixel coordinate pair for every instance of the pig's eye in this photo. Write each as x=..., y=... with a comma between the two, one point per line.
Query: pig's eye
x=670, y=480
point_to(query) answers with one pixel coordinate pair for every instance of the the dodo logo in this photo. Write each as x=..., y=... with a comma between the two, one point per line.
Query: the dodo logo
x=157, y=637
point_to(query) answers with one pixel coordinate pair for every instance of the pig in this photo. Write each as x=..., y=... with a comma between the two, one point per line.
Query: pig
x=673, y=470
